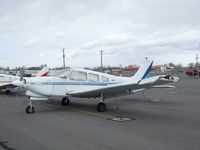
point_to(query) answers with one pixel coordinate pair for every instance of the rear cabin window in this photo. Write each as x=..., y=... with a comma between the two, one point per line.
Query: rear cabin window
x=78, y=76
x=104, y=79
x=93, y=77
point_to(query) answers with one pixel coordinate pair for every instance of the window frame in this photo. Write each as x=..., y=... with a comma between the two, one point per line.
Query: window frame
x=70, y=78
x=104, y=78
x=93, y=74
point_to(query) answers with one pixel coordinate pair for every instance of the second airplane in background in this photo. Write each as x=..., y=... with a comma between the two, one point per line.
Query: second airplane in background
x=6, y=80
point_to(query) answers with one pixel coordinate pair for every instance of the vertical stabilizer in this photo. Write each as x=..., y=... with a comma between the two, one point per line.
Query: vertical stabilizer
x=143, y=71
x=44, y=72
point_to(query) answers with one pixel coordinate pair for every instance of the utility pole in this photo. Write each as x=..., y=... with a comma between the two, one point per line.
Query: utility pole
x=63, y=50
x=101, y=51
x=199, y=53
x=197, y=58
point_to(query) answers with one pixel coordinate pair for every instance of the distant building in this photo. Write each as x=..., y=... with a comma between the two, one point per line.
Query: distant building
x=132, y=69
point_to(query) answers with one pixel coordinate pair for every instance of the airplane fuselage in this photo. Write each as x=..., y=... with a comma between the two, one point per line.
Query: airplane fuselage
x=74, y=80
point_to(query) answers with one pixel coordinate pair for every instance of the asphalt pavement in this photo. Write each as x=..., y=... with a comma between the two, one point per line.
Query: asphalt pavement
x=161, y=119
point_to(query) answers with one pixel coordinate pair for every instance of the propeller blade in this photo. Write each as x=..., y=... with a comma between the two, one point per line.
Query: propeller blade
x=21, y=74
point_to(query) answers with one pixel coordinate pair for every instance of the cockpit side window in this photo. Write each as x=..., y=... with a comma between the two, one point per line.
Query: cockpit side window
x=93, y=77
x=104, y=79
x=78, y=76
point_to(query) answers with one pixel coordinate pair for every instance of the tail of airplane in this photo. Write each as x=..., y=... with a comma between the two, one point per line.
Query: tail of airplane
x=143, y=71
x=44, y=72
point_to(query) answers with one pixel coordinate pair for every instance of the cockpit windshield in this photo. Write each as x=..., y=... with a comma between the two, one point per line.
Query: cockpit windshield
x=64, y=73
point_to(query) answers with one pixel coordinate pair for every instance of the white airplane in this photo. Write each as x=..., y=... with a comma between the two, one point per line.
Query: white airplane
x=73, y=82
x=6, y=80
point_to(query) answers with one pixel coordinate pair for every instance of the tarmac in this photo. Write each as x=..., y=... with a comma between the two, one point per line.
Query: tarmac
x=165, y=119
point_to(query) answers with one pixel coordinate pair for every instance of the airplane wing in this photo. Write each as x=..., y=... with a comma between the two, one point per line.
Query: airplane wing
x=108, y=90
x=6, y=80
x=126, y=87
x=6, y=85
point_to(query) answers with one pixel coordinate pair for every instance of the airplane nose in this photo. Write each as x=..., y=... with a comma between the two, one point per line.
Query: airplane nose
x=18, y=83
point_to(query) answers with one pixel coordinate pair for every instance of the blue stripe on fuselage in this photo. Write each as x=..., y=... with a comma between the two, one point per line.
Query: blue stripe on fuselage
x=75, y=83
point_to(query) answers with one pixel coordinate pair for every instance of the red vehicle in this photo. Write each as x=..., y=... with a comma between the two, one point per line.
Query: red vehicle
x=193, y=72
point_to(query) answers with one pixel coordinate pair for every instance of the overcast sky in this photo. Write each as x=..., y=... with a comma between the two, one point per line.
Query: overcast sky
x=33, y=32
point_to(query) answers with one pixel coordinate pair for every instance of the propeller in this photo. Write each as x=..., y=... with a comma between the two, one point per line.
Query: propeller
x=21, y=74
x=20, y=82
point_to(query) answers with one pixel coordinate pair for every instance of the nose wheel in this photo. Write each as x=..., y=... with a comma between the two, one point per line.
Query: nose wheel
x=101, y=107
x=30, y=109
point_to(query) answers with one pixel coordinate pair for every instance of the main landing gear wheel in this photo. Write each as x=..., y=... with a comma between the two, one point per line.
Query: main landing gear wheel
x=30, y=110
x=101, y=107
x=65, y=101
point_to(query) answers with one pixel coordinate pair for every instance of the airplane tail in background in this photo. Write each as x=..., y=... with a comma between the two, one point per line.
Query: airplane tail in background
x=44, y=72
x=144, y=70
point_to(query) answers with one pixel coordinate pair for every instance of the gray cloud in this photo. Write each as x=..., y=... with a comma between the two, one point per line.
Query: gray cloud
x=127, y=31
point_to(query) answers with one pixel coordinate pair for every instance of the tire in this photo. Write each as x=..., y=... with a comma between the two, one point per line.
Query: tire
x=30, y=110
x=101, y=107
x=8, y=92
x=65, y=101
